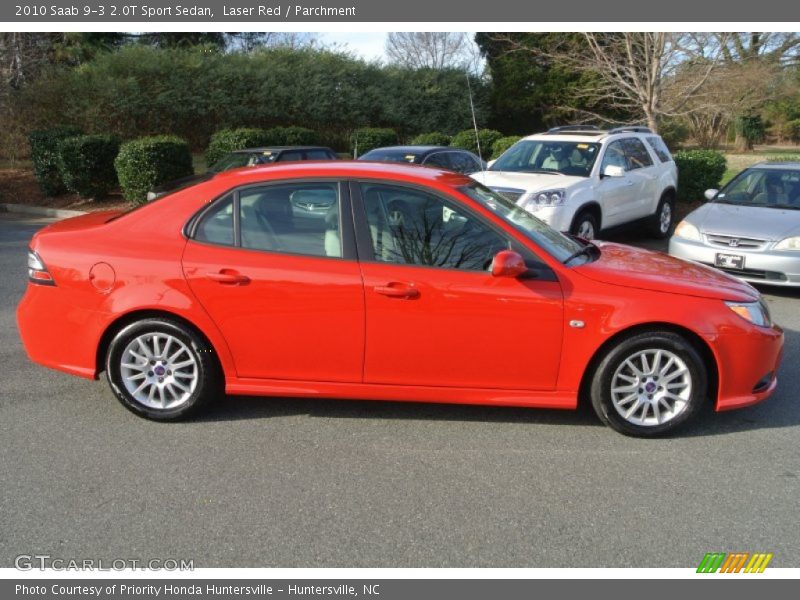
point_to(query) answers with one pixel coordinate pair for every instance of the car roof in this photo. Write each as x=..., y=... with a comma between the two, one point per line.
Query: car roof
x=277, y=149
x=415, y=149
x=342, y=168
x=577, y=133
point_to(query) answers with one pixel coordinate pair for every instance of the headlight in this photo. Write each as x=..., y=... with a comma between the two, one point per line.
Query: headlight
x=34, y=262
x=687, y=231
x=755, y=312
x=545, y=198
x=792, y=243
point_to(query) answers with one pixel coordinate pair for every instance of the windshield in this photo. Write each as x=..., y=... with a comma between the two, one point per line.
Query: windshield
x=545, y=156
x=770, y=188
x=234, y=160
x=558, y=245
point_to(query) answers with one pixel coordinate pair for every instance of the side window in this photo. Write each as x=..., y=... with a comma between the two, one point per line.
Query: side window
x=411, y=227
x=318, y=155
x=440, y=160
x=464, y=163
x=298, y=218
x=615, y=155
x=660, y=148
x=290, y=155
x=638, y=156
x=216, y=226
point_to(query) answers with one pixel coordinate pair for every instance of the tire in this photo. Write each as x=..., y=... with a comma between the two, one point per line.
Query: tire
x=630, y=396
x=162, y=370
x=584, y=225
x=663, y=220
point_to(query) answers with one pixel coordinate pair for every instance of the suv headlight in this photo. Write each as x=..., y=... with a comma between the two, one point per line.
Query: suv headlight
x=544, y=198
x=791, y=243
x=755, y=312
x=687, y=231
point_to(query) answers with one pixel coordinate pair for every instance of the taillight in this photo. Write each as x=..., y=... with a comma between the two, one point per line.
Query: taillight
x=37, y=272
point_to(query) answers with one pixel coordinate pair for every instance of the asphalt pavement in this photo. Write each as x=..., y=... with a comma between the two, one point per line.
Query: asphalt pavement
x=260, y=482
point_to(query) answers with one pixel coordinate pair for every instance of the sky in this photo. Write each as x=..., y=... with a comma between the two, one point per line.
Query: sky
x=369, y=45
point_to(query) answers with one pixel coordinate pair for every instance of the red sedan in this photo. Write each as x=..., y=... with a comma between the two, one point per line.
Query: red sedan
x=391, y=282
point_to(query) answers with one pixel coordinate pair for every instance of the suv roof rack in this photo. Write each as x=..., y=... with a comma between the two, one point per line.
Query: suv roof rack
x=565, y=128
x=631, y=129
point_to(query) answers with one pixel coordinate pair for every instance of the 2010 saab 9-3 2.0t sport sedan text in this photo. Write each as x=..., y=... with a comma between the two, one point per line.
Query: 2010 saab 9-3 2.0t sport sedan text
x=395, y=283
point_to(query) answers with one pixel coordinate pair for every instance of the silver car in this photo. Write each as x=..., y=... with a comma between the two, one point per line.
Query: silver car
x=750, y=228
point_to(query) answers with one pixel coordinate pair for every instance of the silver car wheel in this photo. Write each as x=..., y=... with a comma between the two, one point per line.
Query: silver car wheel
x=586, y=230
x=651, y=387
x=159, y=371
x=665, y=218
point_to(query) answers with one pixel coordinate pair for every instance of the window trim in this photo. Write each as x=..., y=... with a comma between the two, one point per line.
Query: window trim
x=346, y=227
x=537, y=268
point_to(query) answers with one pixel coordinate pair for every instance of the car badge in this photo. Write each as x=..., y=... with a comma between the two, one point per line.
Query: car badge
x=733, y=243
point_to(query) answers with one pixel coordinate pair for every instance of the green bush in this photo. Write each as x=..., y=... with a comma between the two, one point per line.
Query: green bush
x=435, y=138
x=86, y=164
x=503, y=144
x=294, y=136
x=466, y=140
x=368, y=138
x=698, y=171
x=228, y=140
x=150, y=161
x=44, y=155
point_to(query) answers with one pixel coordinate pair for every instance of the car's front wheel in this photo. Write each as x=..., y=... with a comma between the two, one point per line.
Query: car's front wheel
x=664, y=218
x=162, y=370
x=584, y=225
x=648, y=384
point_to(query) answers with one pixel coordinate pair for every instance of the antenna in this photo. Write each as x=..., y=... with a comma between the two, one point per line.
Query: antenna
x=475, y=122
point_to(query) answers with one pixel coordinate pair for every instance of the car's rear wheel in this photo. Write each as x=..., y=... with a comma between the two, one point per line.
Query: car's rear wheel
x=664, y=218
x=584, y=225
x=649, y=384
x=161, y=369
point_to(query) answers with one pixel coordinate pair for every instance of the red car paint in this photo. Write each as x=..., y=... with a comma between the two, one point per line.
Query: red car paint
x=291, y=325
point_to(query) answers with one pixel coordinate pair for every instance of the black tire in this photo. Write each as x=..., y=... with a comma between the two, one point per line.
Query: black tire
x=583, y=220
x=661, y=224
x=205, y=382
x=613, y=365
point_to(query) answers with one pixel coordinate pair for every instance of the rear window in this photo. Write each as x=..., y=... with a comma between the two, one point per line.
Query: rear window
x=391, y=156
x=660, y=148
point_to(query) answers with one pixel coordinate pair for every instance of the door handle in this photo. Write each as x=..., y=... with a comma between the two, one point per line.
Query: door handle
x=229, y=277
x=397, y=290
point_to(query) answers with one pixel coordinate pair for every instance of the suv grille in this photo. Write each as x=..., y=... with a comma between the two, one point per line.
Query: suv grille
x=512, y=194
x=732, y=241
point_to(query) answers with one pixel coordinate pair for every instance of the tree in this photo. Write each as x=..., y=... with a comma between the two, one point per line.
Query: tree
x=631, y=73
x=249, y=41
x=431, y=50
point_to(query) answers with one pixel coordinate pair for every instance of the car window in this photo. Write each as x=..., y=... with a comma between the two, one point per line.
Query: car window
x=318, y=154
x=411, y=227
x=614, y=156
x=299, y=218
x=290, y=155
x=660, y=148
x=637, y=154
x=441, y=160
x=530, y=156
x=763, y=187
x=464, y=163
x=216, y=226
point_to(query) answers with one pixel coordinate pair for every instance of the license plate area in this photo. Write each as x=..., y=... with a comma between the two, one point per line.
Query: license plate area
x=729, y=261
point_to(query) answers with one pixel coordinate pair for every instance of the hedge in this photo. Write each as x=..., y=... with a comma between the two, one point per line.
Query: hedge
x=503, y=144
x=294, y=136
x=86, y=164
x=44, y=146
x=368, y=138
x=227, y=140
x=698, y=171
x=150, y=161
x=435, y=138
x=466, y=140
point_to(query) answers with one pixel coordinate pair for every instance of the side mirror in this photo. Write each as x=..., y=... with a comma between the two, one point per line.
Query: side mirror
x=508, y=263
x=613, y=171
x=490, y=163
x=709, y=194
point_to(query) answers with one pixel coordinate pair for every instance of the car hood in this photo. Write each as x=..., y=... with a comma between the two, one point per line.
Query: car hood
x=530, y=182
x=746, y=221
x=622, y=265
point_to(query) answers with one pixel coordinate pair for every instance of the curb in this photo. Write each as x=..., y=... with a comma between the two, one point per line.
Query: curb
x=39, y=211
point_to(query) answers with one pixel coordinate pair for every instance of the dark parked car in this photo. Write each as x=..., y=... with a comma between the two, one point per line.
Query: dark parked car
x=247, y=157
x=441, y=157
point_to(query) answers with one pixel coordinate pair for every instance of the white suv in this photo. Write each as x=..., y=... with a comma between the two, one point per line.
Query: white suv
x=582, y=179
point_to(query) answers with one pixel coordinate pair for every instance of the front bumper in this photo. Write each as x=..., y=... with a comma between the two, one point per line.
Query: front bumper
x=769, y=267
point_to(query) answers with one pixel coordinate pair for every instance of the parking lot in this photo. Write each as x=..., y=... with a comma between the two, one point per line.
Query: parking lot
x=325, y=483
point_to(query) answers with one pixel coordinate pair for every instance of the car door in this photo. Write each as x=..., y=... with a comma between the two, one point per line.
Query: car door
x=644, y=175
x=281, y=280
x=435, y=316
x=617, y=195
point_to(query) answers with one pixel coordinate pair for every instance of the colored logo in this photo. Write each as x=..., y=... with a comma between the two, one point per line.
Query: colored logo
x=736, y=562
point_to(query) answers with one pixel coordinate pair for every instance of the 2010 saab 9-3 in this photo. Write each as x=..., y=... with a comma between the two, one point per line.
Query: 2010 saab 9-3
x=410, y=284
